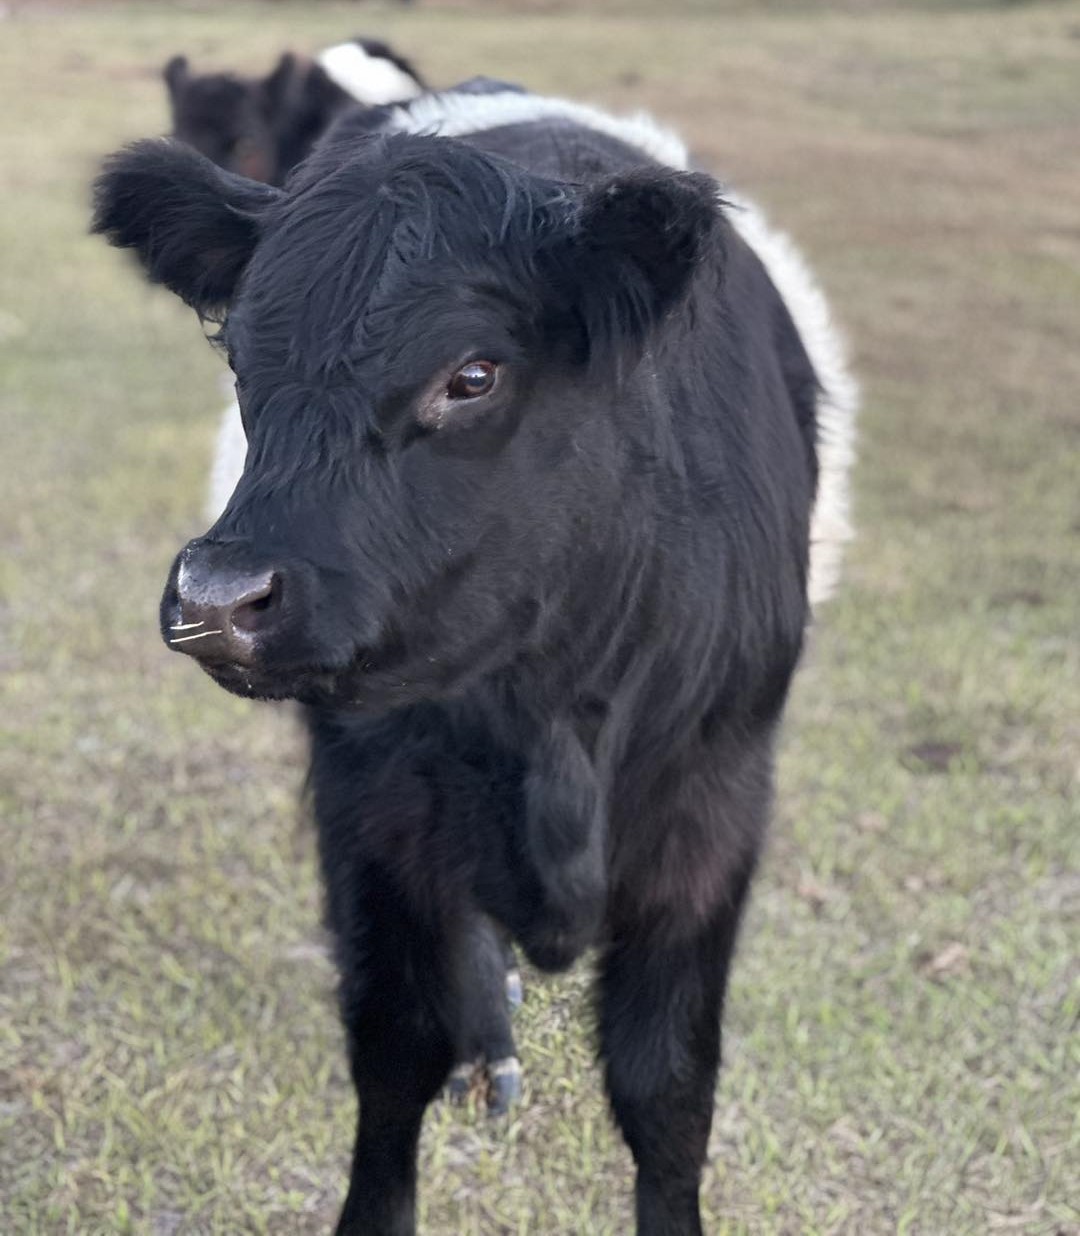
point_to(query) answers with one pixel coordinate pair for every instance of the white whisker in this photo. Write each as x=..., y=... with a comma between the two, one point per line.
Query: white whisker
x=187, y=626
x=202, y=635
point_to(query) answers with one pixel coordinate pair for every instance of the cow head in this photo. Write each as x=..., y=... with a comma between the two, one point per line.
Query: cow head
x=258, y=127
x=438, y=362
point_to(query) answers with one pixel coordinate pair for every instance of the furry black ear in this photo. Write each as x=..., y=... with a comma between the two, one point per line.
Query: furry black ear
x=192, y=225
x=280, y=83
x=320, y=98
x=635, y=244
x=297, y=95
x=176, y=74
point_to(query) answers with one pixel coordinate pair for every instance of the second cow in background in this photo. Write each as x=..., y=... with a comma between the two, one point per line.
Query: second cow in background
x=263, y=127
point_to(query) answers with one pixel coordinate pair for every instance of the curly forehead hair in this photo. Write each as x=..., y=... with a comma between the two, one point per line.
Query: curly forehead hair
x=352, y=240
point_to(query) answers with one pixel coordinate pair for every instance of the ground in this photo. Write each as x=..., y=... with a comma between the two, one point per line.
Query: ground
x=901, y=1055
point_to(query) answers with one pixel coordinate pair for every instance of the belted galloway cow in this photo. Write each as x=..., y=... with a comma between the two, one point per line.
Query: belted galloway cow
x=546, y=454
x=263, y=126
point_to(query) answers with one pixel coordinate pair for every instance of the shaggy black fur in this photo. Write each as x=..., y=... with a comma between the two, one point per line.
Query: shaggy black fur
x=544, y=636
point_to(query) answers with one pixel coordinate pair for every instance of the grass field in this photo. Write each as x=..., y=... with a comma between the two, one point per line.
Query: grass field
x=902, y=1054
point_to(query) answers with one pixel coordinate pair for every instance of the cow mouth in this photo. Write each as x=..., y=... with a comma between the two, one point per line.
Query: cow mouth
x=307, y=685
x=358, y=685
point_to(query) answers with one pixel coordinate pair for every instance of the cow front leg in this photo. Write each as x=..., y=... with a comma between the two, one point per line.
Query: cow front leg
x=400, y=1004
x=661, y=997
x=486, y=1036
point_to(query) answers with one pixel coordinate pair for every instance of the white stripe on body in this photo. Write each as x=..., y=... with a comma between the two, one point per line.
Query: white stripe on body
x=230, y=451
x=453, y=115
x=369, y=79
x=838, y=403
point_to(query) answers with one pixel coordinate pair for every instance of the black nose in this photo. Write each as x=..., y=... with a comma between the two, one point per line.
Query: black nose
x=221, y=615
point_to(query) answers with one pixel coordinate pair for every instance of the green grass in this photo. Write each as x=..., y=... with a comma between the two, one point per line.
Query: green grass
x=902, y=1055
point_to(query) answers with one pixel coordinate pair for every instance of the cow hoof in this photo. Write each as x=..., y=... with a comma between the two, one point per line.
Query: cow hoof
x=504, y=1085
x=515, y=992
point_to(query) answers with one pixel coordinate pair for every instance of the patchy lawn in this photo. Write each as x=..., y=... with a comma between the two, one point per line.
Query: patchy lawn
x=901, y=1046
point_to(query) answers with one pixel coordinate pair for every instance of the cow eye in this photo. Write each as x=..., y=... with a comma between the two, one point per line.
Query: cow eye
x=472, y=380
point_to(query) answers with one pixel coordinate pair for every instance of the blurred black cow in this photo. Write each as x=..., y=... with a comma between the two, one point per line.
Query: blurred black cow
x=263, y=127
x=547, y=458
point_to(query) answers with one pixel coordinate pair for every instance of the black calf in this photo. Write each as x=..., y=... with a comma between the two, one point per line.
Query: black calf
x=532, y=459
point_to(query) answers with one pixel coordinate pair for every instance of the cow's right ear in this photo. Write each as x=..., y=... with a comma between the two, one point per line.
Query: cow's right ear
x=176, y=74
x=281, y=82
x=630, y=253
x=192, y=225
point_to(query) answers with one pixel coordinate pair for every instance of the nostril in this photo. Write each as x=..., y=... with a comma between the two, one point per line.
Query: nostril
x=254, y=610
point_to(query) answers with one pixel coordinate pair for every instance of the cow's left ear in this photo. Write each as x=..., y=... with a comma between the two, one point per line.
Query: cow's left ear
x=192, y=225
x=176, y=75
x=637, y=240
